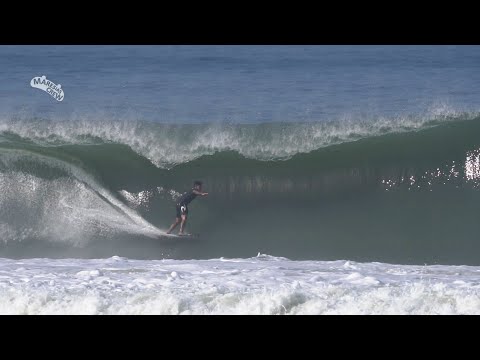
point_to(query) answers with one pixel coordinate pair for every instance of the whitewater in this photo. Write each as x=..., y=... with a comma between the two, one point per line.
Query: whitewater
x=259, y=285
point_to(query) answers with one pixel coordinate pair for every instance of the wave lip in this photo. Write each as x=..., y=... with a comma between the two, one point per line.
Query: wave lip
x=168, y=145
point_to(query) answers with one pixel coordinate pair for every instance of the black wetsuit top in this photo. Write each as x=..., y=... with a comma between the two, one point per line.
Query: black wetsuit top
x=187, y=198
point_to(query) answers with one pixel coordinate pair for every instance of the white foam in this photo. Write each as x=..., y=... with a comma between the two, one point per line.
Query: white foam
x=260, y=285
x=139, y=199
x=71, y=208
x=142, y=198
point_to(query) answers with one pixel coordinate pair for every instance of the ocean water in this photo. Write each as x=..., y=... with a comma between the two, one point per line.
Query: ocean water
x=354, y=169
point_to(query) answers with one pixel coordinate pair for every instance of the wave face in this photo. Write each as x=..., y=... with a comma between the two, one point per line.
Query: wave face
x=391, y=190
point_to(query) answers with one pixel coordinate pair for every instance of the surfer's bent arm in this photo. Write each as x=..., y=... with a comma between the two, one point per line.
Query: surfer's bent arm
x=196, y=192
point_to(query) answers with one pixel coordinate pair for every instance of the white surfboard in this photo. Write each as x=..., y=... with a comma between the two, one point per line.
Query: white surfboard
x=187, y=236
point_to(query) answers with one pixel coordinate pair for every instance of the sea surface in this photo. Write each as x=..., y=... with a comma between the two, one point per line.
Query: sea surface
x=341, y=179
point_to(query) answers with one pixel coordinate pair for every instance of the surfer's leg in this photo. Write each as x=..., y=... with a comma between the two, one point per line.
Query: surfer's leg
x=174, y=225
x=177, y=219
x=182, y=225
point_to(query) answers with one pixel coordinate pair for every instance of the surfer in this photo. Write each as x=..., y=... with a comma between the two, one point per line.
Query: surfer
x=182, y=206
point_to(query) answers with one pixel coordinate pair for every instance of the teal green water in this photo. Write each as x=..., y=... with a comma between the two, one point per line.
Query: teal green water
x=407, y=197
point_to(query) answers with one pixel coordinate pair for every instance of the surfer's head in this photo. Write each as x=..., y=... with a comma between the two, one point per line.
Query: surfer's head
x=197, y=185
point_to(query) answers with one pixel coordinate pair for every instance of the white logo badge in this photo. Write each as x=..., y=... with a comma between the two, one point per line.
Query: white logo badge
x=42, y=83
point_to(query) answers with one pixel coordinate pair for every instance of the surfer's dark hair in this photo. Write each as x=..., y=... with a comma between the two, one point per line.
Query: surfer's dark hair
x=197, y=182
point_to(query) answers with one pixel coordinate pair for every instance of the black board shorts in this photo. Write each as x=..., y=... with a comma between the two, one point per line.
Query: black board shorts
x=181, y=210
